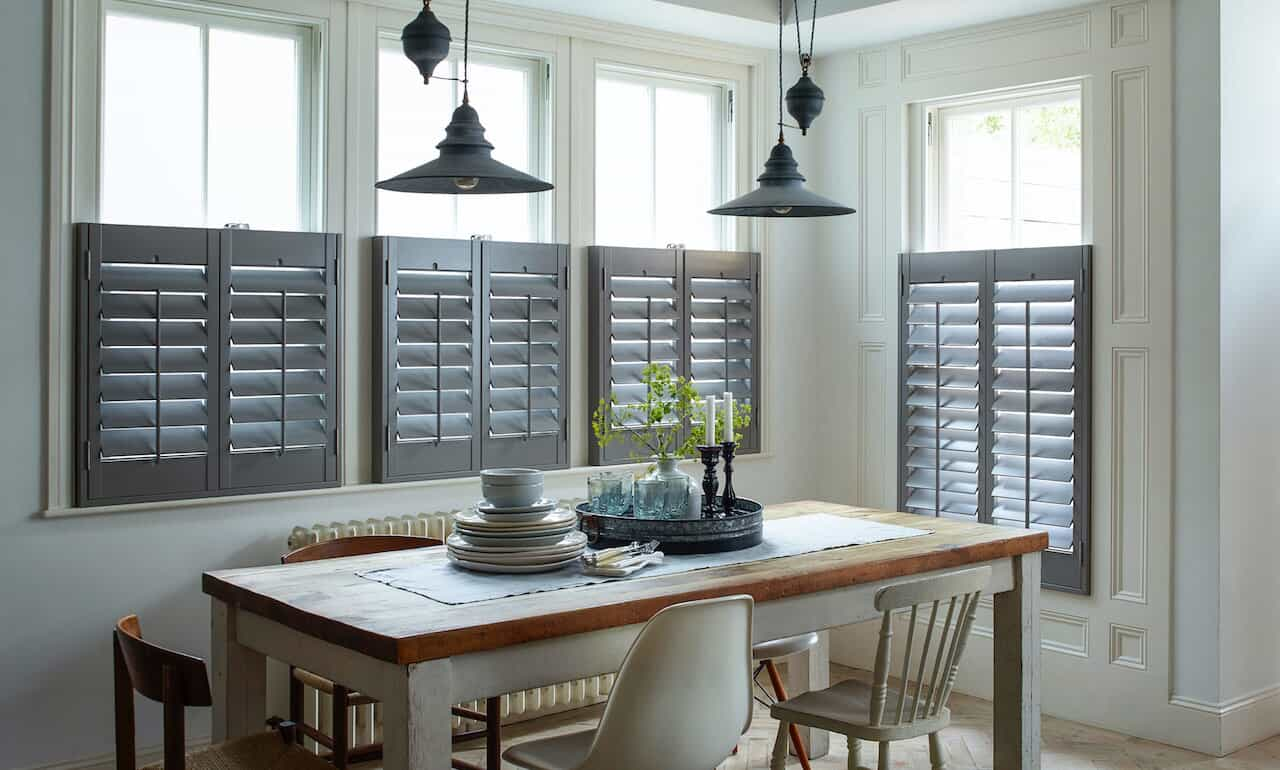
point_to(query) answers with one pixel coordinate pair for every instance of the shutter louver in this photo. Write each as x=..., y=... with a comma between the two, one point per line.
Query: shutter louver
x=280, y=350
x=722, y=298
x=148, y=356
x=636, y=321
x=995, y=403
x=525, y=340
x=431, y=358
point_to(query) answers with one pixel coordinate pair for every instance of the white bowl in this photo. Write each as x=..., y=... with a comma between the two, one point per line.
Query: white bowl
x=511, y=487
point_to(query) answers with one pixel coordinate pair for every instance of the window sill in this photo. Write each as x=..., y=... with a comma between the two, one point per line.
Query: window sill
x=579, y=473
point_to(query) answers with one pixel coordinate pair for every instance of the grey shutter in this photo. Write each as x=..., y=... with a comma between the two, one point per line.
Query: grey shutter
x=525, y=354
x=1039, y=399
x=722, y=311
x=148, y=360
x=940, y=441
x=280, y=360
x=427, y=370
x=995, y=407
x=636, y=319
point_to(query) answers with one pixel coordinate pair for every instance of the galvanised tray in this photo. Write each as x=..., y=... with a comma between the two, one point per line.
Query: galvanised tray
x=742, y=529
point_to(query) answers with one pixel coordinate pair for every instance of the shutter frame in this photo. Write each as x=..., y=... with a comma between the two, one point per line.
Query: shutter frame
x=1062, y=571
x=606, y=263
x=393, y=460
x=547, y=451
x=293, y=468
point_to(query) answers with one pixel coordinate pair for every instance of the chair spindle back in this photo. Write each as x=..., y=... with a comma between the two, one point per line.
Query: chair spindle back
x=960, y=592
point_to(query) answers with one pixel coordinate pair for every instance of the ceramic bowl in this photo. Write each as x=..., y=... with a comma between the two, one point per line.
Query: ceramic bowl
x=511, y=487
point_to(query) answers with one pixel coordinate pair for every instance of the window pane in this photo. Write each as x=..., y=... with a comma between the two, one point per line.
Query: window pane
x=255, y=163
x=624, y=164
x=976, y=175
x=687, y=170
x=152, y=160
x=1049, y=170
x=411, y=121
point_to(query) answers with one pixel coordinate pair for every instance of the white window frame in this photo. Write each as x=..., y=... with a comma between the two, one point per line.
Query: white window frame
x=934, y=135
x=723, y=128
x=311, y=121
x=539, y=68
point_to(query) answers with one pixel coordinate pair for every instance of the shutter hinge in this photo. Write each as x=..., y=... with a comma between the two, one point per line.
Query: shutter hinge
x=902, y=285
x=929, y=130
x=88, y=455
x=88, y=264
x=386, y=437
x=730, y=105
x=337, y=273
x=566, y=278
x=565, y=425
x=335, y=439
x=386, y=272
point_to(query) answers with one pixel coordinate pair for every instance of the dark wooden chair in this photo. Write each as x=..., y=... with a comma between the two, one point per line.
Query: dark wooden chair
x=341, y=754
x=179, y=681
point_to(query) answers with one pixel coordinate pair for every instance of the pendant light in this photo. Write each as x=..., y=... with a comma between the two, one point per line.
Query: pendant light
x=805, y=99
x=781, y=192
x=466, y=165
x=426, y=41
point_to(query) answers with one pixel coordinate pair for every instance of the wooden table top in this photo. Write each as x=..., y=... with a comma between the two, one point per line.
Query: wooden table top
x=327, y=600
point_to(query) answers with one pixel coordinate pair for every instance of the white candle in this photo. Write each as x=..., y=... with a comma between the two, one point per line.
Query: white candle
x=711, y=420
x=728, y=416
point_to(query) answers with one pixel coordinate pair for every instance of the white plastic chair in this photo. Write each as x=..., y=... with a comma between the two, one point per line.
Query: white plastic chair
x=876, y=712
x=681, y=700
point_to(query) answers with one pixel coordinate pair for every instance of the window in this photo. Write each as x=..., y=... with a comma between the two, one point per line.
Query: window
x=1005, y=172
x=662, y=160
x=995, y=395
x=207, y=119
x=206, y=361
x=696, y=311
x=509, y=92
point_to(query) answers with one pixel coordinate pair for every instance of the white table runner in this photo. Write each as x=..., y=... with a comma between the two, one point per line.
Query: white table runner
x=444, y=582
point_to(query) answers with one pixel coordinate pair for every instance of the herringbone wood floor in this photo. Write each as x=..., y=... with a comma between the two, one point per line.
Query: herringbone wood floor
x=1067, y=745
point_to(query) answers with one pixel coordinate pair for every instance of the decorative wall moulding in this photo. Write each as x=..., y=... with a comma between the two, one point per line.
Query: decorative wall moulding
x=873, y=68
x=997, y=46
x=1131, y=198
x=873, y=196
x=1060, y=632
x=1128, y=24
x=1128, y=647
x=1130, y=472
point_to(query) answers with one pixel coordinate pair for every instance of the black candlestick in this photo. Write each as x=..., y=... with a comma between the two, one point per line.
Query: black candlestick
x=710, y=482
x=729, y=500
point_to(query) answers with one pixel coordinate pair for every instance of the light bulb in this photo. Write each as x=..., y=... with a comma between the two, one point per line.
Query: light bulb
x=782, y=210
x=466, y=182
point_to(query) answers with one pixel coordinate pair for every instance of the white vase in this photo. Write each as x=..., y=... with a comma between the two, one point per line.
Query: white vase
x=678, y=503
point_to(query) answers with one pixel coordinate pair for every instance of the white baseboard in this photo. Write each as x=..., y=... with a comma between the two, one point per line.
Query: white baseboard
x=1244, y=720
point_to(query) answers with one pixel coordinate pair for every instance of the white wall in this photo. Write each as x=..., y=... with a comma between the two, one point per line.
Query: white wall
x=63, y=582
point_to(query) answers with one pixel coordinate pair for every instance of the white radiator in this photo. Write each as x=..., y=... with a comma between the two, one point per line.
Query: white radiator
x=516, y=707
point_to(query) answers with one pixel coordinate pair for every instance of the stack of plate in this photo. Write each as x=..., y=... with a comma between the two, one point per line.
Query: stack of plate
x=505, y=540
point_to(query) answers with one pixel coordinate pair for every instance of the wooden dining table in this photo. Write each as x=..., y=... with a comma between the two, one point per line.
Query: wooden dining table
x=418, y=656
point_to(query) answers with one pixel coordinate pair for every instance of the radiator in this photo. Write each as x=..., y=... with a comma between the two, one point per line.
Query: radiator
x=366, y=724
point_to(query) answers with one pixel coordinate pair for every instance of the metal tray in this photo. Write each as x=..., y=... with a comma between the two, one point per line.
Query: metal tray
x=742, y=529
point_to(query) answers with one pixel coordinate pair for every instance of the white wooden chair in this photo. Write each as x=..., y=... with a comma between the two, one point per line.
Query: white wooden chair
x=878, y=713
x=681, y=700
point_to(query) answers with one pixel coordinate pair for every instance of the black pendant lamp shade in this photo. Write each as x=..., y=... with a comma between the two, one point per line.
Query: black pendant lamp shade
x=465, y=166
x=805, y=100
x=781, y=193
x=426, y=41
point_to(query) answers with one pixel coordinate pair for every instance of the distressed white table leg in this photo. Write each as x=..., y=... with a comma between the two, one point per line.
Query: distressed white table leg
x=416, y=731
x=1017, y=669
x=239, y=679
x=811, y=670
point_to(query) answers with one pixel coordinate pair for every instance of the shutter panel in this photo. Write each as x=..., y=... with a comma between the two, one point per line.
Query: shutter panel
x=636, y=319
x=722, y=301
x=429, y=358
x=1039, y=384
x=941, y=439
x=525, y=354
x=146, y=357
x=279, y=348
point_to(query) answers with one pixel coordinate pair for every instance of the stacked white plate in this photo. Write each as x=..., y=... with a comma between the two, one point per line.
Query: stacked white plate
x=519, y=541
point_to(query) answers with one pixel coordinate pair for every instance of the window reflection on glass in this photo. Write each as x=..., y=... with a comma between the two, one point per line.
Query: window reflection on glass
x=1009, y=173
x=660, y=161
x=411, y=122
x=218, y=134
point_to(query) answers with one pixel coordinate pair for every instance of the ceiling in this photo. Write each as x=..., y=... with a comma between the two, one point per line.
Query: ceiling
x=843, y=24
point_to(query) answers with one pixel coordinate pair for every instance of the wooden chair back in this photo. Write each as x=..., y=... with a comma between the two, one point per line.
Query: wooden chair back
x=359, y=545
x=172, y=678
x=960, y=591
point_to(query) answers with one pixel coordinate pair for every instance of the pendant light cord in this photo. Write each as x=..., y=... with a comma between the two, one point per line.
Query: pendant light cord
x=781, y=25
x=805, y=59
x=466, y=50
